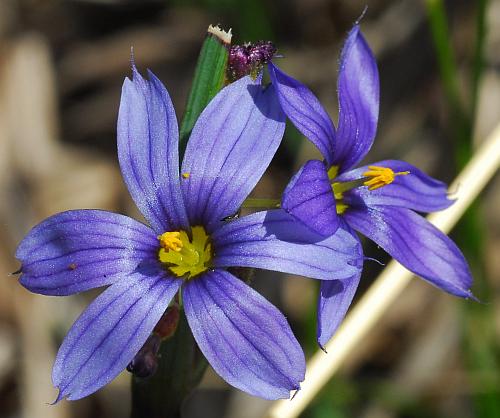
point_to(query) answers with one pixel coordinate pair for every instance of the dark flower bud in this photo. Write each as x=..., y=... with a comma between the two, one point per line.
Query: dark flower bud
x=261, y=52
x=167, y=324
x=248, y=59
x=238, y=62
x=145, y=362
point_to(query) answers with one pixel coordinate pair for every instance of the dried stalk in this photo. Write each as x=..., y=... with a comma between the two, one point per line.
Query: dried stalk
x=389, y=285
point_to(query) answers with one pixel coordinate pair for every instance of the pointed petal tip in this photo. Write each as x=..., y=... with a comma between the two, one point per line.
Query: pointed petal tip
x=471, y=296
x=297, y=390
x=361, y=16
x=132, y=57
x=127, y=84
x=355, y=30
x=18, y=271
x=60, y=396
x=365, y=258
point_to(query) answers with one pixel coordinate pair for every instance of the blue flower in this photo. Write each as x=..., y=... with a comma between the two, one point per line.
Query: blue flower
x=378, y=200
x=188, y=246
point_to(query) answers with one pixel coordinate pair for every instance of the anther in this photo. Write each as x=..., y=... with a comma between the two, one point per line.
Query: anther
x=171, y=241
x=380, y=176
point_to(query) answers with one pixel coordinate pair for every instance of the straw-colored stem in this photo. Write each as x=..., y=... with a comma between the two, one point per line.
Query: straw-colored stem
x=389, y=285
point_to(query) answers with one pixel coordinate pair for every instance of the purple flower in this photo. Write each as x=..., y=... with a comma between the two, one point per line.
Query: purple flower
x=378, y=200
x=188, y=246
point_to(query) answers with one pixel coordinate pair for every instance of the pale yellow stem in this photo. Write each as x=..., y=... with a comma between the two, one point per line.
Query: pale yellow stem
x=389, y=285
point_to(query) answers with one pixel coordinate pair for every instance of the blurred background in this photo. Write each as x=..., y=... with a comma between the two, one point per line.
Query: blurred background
x=62, y=63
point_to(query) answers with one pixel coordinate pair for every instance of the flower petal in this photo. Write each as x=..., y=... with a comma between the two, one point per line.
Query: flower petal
x=305, y=111
x=82, y=249
x=231, y=145
x=334, y=300
x=309, y=198
x=358, y=90
x=274, y=240
x=246, y=339
x=416, y=244
x=148, y=141
x=416, y=191
x=109, y=333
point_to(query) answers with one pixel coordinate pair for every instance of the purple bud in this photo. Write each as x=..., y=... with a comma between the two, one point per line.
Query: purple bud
x=262, y=52
x=145, y=362
x=248, y=59
x=167, y=324
x=238, y=62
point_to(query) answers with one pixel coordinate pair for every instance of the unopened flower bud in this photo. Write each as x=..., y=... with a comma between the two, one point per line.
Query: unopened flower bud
x=167, y=324
x=248, y=59
x=145, y=362
x=261, y=52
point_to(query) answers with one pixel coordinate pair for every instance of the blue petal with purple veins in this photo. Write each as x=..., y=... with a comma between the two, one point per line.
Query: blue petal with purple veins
x=247, y=341
x=231, y=145
x=358, y=91
x=305, y=111
x=274, y=240
x=309, y=198
x=82, y=249
x=416, y=190
x=148, y=141
x=109, y=333
x=416, y=244
x=334, y=299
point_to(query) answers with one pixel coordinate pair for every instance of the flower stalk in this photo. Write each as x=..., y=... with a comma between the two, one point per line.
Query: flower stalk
x=180, y=368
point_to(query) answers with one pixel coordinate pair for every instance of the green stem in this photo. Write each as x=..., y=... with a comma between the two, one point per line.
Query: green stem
x=180, y=369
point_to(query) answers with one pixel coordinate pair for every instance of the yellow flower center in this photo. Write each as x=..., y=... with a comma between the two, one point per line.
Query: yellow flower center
x=380, y=176
x=184, y=257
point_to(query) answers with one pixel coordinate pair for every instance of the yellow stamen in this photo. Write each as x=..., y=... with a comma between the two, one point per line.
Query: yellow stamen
x=185, y=175
x=333, y=171
x=380, y=176
x=341, y=207
x=184, y=257
x=171, y=241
